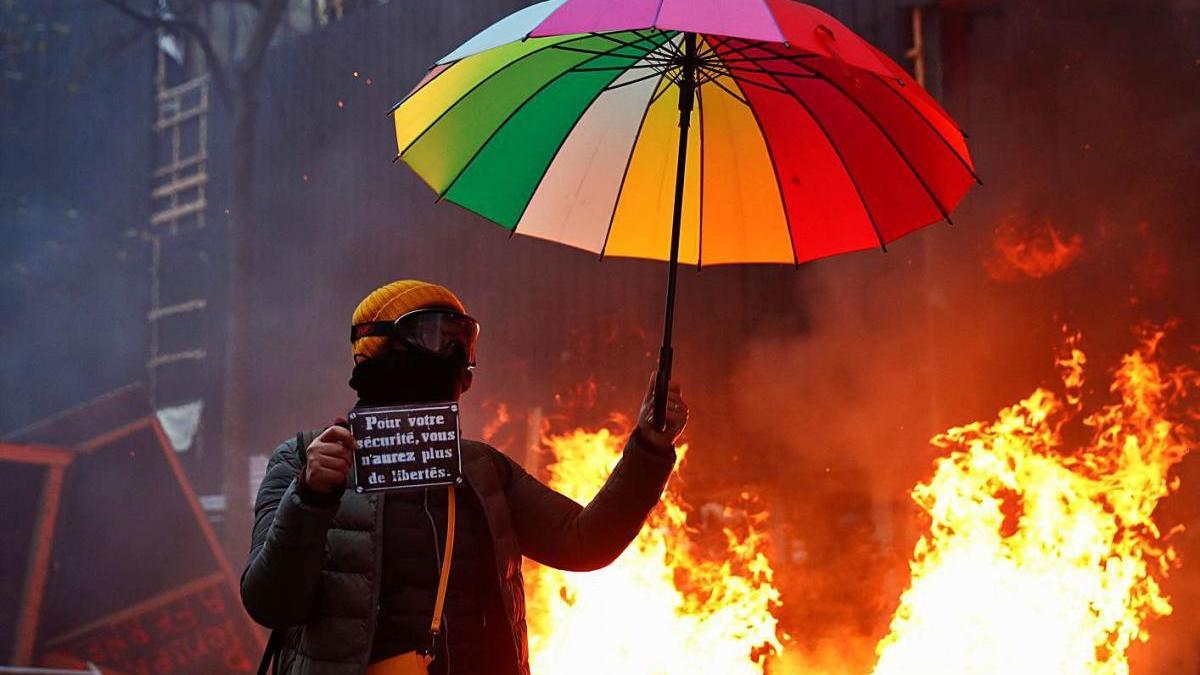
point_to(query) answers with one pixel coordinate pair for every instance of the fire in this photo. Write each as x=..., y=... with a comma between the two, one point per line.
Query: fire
x=1042, y=557
x=663, y=607
x=1031, y=250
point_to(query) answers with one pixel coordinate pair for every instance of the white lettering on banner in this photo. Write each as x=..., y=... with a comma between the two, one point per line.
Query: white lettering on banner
x=426, y=420
x=406, y=446
x=436, y=453
x=437, y=435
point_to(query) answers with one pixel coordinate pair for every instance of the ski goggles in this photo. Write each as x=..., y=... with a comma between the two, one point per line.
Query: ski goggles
x=433, y=330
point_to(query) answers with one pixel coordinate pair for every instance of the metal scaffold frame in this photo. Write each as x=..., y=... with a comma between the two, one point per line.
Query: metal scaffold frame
x=179, y=264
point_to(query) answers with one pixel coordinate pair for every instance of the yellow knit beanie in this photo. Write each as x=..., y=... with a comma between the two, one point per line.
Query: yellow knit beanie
x=390, y=302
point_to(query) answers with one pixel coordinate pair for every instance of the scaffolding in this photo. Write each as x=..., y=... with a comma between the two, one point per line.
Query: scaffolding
x=178, y=362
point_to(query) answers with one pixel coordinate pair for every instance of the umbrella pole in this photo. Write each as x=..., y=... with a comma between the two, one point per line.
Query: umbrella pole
x=687, y=95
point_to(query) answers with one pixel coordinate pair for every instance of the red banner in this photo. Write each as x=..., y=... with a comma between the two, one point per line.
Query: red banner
x=198, y=629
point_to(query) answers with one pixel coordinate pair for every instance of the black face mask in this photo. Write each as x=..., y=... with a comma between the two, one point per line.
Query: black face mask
x=400, y=377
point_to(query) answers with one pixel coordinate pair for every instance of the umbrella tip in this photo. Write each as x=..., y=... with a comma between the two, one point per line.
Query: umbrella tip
x=396, y=158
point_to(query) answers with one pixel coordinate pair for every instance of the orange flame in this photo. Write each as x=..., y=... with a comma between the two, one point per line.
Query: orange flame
x=1030, y=250
x=502, y=418
x=1041, y=555
x=1041, y=558
x=662, y=607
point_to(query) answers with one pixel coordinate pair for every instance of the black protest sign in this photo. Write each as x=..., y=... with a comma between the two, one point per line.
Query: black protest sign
x=406, y=446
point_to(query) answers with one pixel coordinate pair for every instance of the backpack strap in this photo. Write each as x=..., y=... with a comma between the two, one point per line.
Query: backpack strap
x=270, y=657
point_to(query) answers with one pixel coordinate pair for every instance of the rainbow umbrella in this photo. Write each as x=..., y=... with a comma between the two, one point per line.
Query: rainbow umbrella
x=572, y=121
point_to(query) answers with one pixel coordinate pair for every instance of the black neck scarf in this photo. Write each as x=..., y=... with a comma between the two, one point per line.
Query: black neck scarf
x=403, y=377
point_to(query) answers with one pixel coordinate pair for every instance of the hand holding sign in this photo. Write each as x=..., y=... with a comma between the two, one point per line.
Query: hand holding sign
x=328, y=460
x=406, y=446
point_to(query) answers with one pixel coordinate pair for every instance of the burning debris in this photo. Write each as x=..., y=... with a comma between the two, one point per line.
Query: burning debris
x=1042, y=556
x=1041, y=553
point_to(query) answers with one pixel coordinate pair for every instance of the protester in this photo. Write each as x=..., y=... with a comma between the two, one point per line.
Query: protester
x=348, y=581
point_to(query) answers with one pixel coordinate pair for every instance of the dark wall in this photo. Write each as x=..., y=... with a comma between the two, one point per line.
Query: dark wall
x=74, y=156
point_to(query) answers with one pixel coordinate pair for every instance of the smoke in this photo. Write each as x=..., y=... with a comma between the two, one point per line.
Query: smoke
x=72, y=198
x=1078, y=114
x=818, y=389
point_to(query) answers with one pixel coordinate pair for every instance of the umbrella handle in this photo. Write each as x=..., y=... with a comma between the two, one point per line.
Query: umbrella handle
x=687, y=94
x=662, y=382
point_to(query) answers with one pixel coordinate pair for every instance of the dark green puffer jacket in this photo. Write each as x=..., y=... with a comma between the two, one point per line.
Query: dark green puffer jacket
x=315, y=571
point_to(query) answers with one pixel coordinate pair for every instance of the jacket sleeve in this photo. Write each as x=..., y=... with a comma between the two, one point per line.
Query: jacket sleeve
x=287, y=546
x=556, y=531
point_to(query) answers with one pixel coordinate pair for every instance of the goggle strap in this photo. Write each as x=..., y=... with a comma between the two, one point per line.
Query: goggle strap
x=371, y=329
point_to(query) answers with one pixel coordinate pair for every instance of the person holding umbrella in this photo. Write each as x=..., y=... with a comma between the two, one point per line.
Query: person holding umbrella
x=688, y=131
x=349, y=582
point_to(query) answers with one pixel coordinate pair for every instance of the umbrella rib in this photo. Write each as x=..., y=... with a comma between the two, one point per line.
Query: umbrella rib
x=725, y=42
x=426, y=84
x=763, y=85
x=477, y=85
x=760, y=59
x=895, y=146
x=925, y=120
x=841, y=158
x=776, y=22
x=598, y=52
x=727, y=90
x=754, y=60
x=658, y=94
x=502, y=124
x=607, y=69
x=787, y=216
x=656, y=64
x=643, y=78
x=450, y=64
x=776, y=73
x=657, y=13
x=628, y=162
x=635, y=44
x=564, y=142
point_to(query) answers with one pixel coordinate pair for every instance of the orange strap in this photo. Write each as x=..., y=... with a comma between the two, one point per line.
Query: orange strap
x=436, y=624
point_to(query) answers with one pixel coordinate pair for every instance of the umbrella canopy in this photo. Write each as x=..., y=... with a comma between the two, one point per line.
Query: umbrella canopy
x=561, y=122
x=570, y=121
